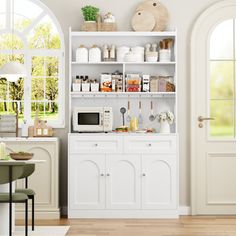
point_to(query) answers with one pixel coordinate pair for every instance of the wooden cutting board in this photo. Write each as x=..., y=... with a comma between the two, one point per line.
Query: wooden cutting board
x=159, y=12
x=143, y=21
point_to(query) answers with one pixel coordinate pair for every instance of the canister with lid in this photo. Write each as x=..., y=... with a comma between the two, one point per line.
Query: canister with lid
x=95, y=54
x=82, y=54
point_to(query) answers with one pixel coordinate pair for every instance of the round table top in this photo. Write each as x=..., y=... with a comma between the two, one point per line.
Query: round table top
x=17, y=163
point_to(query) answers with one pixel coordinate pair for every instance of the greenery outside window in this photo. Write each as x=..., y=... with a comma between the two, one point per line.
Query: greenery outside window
x=38, y=43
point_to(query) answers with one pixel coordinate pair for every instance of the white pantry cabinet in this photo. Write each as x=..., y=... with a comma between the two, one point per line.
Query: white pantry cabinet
x=124, y=184
x=45, y=180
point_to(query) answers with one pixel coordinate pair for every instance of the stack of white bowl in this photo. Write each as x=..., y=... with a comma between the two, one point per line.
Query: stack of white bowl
x=121, y=52
x=133, y=54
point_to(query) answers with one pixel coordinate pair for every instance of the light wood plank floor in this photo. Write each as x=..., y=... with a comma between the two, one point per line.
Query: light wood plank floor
x=184, y=226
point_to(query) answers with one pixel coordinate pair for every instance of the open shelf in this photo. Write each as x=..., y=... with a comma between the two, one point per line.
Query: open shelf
x=123, y=94
x=123, y=63
x=123, y=34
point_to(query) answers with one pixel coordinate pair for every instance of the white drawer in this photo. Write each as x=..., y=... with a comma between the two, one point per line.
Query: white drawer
x=95, y=144
x=150, y=144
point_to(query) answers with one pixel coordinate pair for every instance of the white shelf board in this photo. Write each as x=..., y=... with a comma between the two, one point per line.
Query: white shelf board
x=122, y=94
x=123, y=34
x=123, y=63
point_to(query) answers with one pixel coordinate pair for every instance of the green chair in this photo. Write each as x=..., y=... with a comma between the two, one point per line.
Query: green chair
x=28, y=170
x=10, y=172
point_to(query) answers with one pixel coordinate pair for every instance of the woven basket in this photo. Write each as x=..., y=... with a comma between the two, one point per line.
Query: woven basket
x=89, y=26
x=21, y=156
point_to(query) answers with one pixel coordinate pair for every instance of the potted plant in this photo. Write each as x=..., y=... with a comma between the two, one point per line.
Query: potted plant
x=90, y=15
x=166, y=119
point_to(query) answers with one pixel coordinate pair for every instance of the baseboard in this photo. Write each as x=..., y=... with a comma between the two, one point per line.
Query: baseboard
x=184, y=210
x=43, y=215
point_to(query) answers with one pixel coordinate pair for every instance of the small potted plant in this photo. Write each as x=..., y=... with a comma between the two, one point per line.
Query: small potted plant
x=90, y=15
x=166, y=119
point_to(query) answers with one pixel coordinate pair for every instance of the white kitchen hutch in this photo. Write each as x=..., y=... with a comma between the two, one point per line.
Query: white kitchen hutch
x=123, y=175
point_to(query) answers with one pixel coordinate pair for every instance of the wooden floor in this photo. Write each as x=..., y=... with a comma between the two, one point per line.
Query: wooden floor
x=184, y=226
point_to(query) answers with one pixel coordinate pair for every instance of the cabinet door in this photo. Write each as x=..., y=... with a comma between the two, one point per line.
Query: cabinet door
x=123, y=181
x=87, y=181
x=159, y=181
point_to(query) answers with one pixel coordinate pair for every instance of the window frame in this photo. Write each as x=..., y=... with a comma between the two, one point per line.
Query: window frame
x=30, y=53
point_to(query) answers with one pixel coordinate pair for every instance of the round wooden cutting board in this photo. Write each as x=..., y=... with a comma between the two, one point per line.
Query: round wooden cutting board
x=143, y=21
x=158, y=10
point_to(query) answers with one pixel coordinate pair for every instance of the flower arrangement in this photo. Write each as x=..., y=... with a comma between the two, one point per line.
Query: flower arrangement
x=166, y=116
x=90, y=13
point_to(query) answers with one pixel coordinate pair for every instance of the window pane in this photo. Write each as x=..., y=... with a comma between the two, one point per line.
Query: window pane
x=221, y=41
x=222, y=126
x=21, y=22
x=4, y=58
x=38, y=68
x=51, y=89
x=3, y=6
x=2, y=21
x=9, y=42
x=16, y=90
x=51, y=64
x=51, y=110
x=3, y=89
x=44, y=35
x=22, y=7
x=37, y=105
x=37, y=89
x=44, y=66
x=221, y=84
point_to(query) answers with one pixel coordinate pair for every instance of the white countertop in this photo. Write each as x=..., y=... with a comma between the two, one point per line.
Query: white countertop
x=30, y=139
x=20, y=162
x=123, y=134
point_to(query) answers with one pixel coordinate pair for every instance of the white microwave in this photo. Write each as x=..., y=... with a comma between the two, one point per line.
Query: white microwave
x=92, y=119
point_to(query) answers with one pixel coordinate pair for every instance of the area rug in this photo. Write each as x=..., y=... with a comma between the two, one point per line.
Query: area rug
x=43, y=231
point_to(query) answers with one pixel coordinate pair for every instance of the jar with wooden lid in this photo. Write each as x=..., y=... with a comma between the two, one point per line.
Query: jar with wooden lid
x=82, y=54
x=95, y=54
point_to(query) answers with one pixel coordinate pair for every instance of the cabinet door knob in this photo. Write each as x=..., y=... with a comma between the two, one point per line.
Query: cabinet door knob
x=144, y=174
x=149, y=145
x=102, y=175
x=108, y=174
x=95, y=144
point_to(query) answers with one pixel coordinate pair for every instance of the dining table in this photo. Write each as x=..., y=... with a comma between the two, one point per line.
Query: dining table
x=4, y=207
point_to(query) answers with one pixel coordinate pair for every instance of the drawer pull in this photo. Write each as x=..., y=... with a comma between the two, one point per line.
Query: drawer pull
x=144, y=174
x=108, y=174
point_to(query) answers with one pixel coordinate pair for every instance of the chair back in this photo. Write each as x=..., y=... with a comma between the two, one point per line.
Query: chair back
x=28, y=170
x=17, y=171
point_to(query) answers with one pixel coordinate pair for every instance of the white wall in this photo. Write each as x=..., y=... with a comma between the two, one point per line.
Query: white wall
x=183, y=15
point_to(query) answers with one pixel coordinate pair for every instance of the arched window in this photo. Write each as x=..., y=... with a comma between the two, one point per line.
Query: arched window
x=30, y=34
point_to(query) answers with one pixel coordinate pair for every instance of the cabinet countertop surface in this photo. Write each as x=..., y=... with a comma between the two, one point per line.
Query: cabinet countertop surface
x=123, y=134
x=30, y=139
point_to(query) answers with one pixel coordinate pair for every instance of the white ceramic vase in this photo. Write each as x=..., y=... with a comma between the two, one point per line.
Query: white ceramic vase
x=165, y=127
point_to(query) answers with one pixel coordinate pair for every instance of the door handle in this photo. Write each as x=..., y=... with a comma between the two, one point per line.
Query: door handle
x=201, y=119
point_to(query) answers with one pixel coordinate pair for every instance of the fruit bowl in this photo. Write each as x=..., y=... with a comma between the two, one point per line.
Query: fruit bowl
x=21, y=155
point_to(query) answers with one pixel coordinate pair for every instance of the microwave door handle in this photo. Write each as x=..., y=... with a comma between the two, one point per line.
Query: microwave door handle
x=101, y=119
